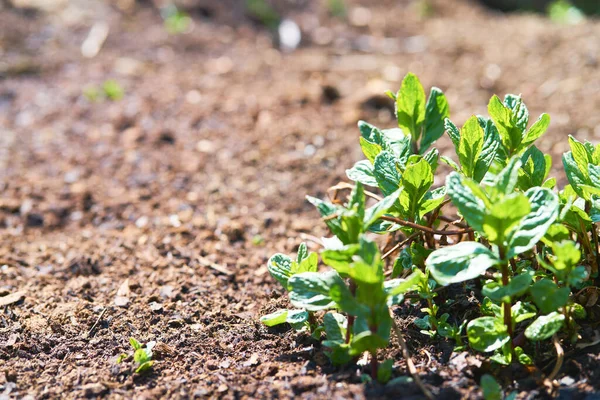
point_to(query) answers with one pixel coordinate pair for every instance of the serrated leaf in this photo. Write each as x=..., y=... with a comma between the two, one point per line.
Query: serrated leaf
x=313, y=291
x=506, y=180
x=416, y=181
x=575, y=176
x=533, y=227
x=503, y=118
x=386, y=173
x=537, y=130
x=363, y=172
x=280, y=268
x=436, y=111
x=545, y=327
x=459, y=263
x=470, y=205
x=504, y=215
x=491, y=143
x=410, y=106
x=470, y=145
x=370, y=150
x=452, y=131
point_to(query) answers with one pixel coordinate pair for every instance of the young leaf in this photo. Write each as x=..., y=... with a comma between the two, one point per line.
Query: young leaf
x=410, y=106
x=335, y=326
x=362, y=172
x=453, y=132
x=470, y=146
x=416, y=180
x=503, y=118
x=459, y=263
x=491, y=143
x=313, y=291
x=276, y=318
x=500, y=220
x=468, y=203
x=436, y=111
x=537, y=129
x=280, y=268
x=533, y=227
x=386, y=173
x=370, y=149
x=545, y=326
x=516, y=287
x=548, y=296
x=487, y=334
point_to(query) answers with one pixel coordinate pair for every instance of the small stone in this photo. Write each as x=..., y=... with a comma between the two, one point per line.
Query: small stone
x=156, y=307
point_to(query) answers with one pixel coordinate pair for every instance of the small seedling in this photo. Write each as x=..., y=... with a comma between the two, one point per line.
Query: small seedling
x=142, y=356
x=110, y=90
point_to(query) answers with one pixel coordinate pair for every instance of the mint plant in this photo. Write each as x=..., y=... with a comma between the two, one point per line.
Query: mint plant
x=142, y=356
x=509, y=236
x=282, y=268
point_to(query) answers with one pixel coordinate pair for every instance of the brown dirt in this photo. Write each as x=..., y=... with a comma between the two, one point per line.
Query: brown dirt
x=179, y=192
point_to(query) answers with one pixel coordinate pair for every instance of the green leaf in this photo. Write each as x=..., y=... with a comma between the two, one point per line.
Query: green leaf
x=144, y=367
x=280, y=268
x=384, y=371
x=516, y=287
x=510, y=134
x=491, y=143
x=468, y=203
x=521, y=311
x=451, y=163
x=370, y=149
x=372, y=214
x=580, y=155
x=470, y=145
x=400, y=286
x=520, y=114
x=297, y=319
x=459, y=263
x=490, y=388
x=142, y=356
x=135, y=344
x=432, y=200
x=545, y=327
x=335, y=326
x=276, y=318
x=410, y=106
x=487, y=334
x=313, y=291
x=575, y=176
x=340, y=259
x=362, y=172
x=504, y=216
x=533, y=227
x=548, y=296
x=386, y=173
x=453, y=132
x=506, y=180
x=537, y=129
x=533, y=170
x=416, y=181
x=436, y=111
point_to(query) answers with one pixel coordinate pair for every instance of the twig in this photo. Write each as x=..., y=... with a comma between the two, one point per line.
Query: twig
x=96, y=323
x=409, y=363
x=425, y=228
x=314, y=239
x=398, y=245
x=346, y=185
x=219, y=268
x=560, y=355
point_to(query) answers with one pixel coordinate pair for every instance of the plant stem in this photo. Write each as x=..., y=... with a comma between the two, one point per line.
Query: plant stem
x=374, y=365
x=585, y=241
x=350, y=326
x=506, y=304
x=424, y=228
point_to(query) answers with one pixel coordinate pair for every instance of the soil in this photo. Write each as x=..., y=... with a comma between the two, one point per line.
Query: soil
x=153, y=216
